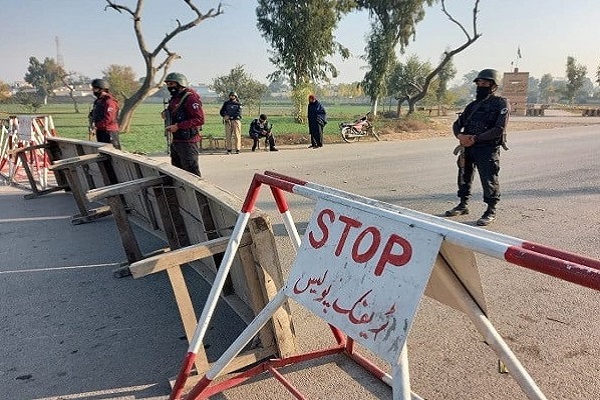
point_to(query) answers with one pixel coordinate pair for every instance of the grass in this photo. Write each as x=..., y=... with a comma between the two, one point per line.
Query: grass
x=147, y=133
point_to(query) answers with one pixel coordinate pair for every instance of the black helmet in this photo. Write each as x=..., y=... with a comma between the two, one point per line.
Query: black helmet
x=178, y=78
x=100, y=84
x=490, y=75
x=233, y=94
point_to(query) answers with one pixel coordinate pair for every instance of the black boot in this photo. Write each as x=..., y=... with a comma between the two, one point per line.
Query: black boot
x=488, y=216
x=460, y=209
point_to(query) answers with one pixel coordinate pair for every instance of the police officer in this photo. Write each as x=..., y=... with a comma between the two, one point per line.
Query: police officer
x=231, y=111
x=186, y=117
x=481, y=129
x=104, y=113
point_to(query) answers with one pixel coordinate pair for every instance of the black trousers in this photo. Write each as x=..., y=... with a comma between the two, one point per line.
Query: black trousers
x=109, y=137
x=184, y=155
x=316, y=133
x=269, y=140
x=486, y=159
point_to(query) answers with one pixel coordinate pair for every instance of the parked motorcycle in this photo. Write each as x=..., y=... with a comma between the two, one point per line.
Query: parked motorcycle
x=352, y=131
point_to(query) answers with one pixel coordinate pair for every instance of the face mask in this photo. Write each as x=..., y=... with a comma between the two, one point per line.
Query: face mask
x=97, y=94
x=173, y=90
x=483, y=92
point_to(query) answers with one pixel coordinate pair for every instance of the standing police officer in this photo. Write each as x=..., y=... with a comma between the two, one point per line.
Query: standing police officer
x=481, y=130
x=231, y=111
x=186, y=117
x=104, y=113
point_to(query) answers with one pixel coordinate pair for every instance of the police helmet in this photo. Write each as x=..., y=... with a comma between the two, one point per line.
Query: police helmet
x=490, y=75
x=100, y=84
x=178, y=78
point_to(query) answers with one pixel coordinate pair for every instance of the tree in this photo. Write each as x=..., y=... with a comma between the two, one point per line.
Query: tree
x=249, y=90
x=4, y=91
x=45, y=77
x=403, y=26
x=393, y=22
x=122, y=80
x=407, y=79
x=546, y=88
x=575, y=78
x=154, y=66
x=447, y=55
x=533, y=90
x=301, y=35
x=447, y=73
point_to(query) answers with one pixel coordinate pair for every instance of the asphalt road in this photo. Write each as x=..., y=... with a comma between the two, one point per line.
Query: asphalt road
x=71, y=331
x=550, y=195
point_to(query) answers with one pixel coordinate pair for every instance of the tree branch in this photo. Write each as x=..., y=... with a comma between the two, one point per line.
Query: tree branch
x=449, y=54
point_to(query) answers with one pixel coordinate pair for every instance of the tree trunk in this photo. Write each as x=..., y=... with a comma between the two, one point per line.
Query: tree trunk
x=74, y=100
x=374, y=106
x=411, y=105
x=131, y=104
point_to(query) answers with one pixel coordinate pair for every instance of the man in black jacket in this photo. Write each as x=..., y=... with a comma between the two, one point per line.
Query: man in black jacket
x=231, y=111
x=480, y=130
x=317, y=119
x=261, y=128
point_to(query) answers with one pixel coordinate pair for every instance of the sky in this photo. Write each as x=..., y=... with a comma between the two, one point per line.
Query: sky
x=91, y=38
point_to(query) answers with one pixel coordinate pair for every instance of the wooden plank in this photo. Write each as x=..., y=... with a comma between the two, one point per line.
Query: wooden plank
x=271, y=278
x=186, y=311
x=18, y=150
x=254, y=294
x=77, y=161
x=128, y=239
x=168, y=209
x=124, y=187
x=91, y=215
x=180, y=256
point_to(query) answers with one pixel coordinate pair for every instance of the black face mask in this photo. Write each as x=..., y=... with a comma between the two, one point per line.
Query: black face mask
x=97, y=94
x=482, y=92
x=173, y=90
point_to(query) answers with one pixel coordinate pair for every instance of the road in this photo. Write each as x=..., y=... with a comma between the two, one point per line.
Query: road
x=71, y=331
x=550, y=194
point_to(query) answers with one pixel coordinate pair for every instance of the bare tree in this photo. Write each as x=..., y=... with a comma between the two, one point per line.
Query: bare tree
x=154, y=66
x=65, y=78
x=446, y=56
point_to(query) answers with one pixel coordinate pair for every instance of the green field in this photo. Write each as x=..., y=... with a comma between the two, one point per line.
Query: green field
x=146, y=134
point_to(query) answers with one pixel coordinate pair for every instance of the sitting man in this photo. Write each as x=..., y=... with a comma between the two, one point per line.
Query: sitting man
x=259, y=128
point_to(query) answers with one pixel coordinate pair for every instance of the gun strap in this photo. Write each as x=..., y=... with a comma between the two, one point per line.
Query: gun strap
x=185, y=95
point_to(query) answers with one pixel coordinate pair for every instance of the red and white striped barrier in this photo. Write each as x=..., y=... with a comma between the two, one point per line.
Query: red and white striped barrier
x=24, y=131
x=428, y=229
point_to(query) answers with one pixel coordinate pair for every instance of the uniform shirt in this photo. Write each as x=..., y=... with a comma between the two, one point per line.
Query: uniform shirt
x=104, y=113
x=231, y=109
x=189, y=117
x=486, y=119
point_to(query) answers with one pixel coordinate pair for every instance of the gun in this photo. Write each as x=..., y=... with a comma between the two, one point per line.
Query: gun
x=91, y=127
x=167, y=119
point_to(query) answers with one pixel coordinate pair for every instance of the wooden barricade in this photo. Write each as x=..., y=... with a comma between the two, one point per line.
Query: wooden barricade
x=195, y=219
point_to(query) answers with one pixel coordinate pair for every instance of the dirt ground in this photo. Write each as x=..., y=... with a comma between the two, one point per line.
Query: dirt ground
x=442, y=126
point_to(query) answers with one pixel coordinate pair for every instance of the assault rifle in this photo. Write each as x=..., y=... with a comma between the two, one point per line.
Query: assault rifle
x=167, y=119
x=91, y=127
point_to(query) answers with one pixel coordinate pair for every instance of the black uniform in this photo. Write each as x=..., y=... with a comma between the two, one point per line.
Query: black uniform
x=261, y=129
x=487, y=120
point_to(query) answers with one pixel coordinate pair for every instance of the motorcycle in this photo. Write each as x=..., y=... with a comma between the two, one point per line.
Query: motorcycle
x=351, y=131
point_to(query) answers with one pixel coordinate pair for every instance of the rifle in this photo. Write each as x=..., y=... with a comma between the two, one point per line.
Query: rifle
x=91, y=128
x=167, y=119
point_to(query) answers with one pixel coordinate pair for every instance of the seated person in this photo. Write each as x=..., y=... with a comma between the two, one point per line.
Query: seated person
x=259, y=128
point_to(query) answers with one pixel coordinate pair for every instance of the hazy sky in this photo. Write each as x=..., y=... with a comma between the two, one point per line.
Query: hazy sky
x=91, y=39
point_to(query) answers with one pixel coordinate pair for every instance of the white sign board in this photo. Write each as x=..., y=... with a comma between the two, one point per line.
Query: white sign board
x=363, y=273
